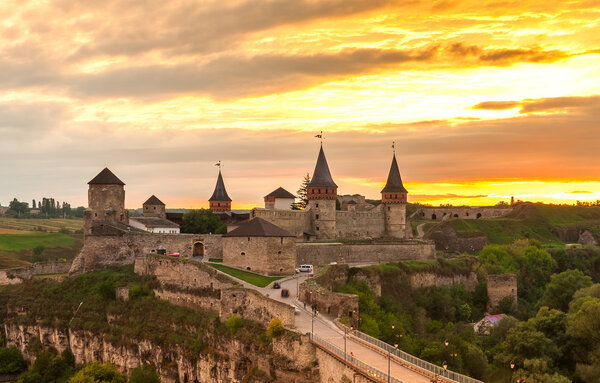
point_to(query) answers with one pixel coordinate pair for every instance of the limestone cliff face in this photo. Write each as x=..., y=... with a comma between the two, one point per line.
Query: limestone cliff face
x=222, y=361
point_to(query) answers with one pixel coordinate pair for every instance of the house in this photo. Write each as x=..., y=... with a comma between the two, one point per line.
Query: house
x=154, y=225
x=484, y=326
x=279, y=199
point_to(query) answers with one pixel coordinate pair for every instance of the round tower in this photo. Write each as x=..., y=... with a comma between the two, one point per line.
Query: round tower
x=393, y=198
x=322, y=194
x=219, y=201
x=106, y=201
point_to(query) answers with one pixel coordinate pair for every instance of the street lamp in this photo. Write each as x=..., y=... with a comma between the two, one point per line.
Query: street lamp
x=445, y=365
x=446, y=343
x=512, y=364
x=312, y=324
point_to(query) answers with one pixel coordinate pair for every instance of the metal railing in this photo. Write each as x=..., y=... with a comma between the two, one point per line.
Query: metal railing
x=371, y=372
x=436, y=371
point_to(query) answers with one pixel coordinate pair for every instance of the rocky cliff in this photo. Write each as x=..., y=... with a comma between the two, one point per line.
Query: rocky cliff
x=217, y=359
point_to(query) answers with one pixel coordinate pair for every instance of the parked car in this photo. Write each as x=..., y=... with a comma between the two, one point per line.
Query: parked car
x=285, y=293
x=276, y=285
x=305, y=268
x=333, y=263
x=296, y=311
x=176, y=255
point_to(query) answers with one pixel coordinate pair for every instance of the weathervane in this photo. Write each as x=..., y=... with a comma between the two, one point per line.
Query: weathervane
x=394, y=146
x=320, y=135
x=218, y=164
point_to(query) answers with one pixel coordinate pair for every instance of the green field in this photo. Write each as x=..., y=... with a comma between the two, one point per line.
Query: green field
x=27, y=241
x=246, y=276
x=41, y=224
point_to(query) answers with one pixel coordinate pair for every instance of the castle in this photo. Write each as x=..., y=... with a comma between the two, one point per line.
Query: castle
x=268, y=240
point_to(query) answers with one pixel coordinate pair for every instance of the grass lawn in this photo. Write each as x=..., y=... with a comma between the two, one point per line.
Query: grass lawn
x=26, y=241
x=8, y=261
x=219, y=260
x=246, y=276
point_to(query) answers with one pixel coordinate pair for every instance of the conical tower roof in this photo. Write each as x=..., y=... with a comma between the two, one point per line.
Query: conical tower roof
x=394, y=181
x=220, y=194
x=321, y=176
x=106, y=177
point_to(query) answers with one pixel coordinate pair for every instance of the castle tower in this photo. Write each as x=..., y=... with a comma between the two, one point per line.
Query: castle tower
x=106, y=201
x=220, y=201
x=393, y=197
x=322, y=194
x=154, y=207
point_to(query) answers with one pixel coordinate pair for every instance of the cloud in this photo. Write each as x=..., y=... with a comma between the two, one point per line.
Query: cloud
x=20, y=119
x=580, y=192
x=541, y=104
x=425, y=197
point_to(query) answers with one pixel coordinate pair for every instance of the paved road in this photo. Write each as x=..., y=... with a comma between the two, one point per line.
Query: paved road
x=420, y=232
x=323, y=327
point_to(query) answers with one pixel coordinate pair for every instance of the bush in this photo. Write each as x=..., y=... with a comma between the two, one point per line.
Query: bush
x=36, y=254
x=233, y=323
x=11, y=361
x=275, y=328
x=144, y=374
x=98, y=373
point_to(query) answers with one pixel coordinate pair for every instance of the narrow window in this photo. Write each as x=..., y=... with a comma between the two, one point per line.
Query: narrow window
x=243, y=253
x=316, y=216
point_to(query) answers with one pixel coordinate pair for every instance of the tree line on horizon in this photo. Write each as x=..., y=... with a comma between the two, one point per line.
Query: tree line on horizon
x=47, y=208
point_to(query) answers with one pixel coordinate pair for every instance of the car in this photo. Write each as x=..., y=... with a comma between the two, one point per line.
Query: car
x=296, y=311
x=276, y=285
x=305, y=268
x=333, y=263
x=285, y=293
x=176, y=255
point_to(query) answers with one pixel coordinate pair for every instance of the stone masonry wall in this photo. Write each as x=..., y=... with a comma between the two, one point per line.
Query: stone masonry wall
x=250, y=304
x=17, y=275
x=464, y=212
x=360, y=224
x=324, y=253
x=295, y=221
x=327, y=302
x=265, y=255
x=103, y=251
x=447, y=239
x=500, y=286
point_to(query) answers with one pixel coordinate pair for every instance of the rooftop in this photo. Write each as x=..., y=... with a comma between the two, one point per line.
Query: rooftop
x=153, y=201
x=322, y=176
x=281, y=193
x=394, y=181
x=106, y=177
x=259, y=227
x=155, y=222
x=220, y=194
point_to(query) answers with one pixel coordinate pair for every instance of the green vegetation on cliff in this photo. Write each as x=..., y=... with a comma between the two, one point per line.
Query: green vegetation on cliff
x=550, y=337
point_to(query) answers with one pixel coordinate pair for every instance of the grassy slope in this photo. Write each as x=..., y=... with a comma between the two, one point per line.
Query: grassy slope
x=16, y=242
x=246, y=276
x=51, y=224
x=534, y=221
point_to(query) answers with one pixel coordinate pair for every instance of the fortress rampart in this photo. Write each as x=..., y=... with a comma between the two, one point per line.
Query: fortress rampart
x=464, y=212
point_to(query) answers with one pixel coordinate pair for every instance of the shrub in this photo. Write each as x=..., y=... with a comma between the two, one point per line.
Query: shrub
x=144, y=374
x=233, y=323
x=11, y=361
x=275, y=328
x=98, y=373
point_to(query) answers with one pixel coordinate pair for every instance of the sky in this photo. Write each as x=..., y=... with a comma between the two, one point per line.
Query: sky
x=484, y=99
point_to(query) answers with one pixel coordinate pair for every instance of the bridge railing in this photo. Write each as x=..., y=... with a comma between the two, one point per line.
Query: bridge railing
x=437, y=371
x=373, y=373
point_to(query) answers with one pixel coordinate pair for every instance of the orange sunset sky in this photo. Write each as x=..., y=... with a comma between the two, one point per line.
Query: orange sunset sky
x=484, y=99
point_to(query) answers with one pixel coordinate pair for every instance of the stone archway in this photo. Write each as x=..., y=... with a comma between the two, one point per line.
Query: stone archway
x=198, y=250
x=433, y=216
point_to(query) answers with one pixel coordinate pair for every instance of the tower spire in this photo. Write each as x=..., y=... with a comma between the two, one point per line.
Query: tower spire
x=220, y=201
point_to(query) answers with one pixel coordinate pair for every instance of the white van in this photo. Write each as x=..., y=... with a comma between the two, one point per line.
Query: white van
x=305, y=268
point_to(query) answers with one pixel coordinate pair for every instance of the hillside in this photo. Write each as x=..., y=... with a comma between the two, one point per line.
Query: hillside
x=549, y=224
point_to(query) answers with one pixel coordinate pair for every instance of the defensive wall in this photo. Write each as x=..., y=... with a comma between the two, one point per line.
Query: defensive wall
x=327, y=302
x=19, y=274
x=101, y=251
x=360, y=224
x=325, y=253
x=464, y=212
x=500, y=286
x=198, y=286
x=448, y=240
x=265, y=255
x=296, y=222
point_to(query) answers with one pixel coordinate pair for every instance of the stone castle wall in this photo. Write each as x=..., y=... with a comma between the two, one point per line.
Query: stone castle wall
x=464, y=212
x=360, y=224
x=198, y=286
x=447, y=239
x=296, y=222
x=101, y=251
x=327, y=302
x=265, y=255
x=325, y=253
x=500, y=286
x=19, y=274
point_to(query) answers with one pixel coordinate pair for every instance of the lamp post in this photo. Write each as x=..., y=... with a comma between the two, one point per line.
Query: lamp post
x=445, y=365
x=512, y=367
x=312, y=324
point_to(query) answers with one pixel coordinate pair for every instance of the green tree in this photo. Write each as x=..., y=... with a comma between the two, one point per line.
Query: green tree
x=98, y=373
x=233, y=323
x=36, y=254
x=11, y=361
x=144, y=374
x=202, y=221
x=560, y=289
x=19, y=207
x=302, y=194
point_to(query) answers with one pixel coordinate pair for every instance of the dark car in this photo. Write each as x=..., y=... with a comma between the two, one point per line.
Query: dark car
x=285, y=293
x=276, y=285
